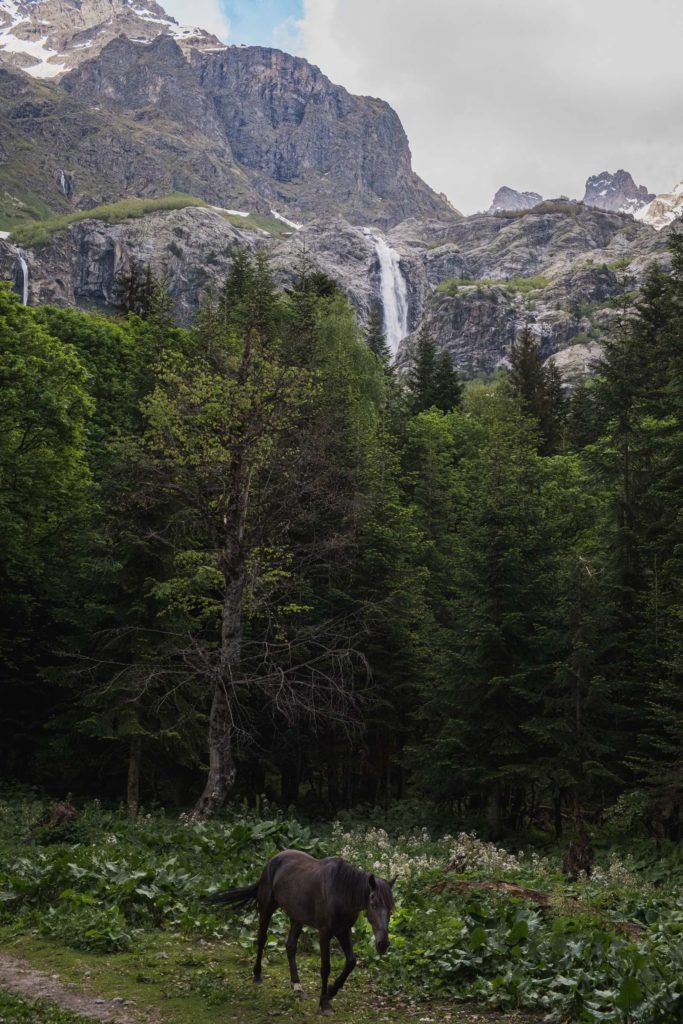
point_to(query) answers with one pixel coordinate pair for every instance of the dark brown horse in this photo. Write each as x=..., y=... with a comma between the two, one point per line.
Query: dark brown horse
x=325, y=894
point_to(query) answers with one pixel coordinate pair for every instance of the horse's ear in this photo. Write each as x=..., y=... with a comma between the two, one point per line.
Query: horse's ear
x=373, y=881
x=392, y=883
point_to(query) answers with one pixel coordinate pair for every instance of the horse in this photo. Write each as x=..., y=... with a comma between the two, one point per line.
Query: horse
x=326, y=894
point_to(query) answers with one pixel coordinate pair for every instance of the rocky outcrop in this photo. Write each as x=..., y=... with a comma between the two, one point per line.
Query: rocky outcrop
x=191, y=247
x=47, y=37
x=617, y=192
x=476, y=280
x=561, y=268
x=309, y=142
x=148, y=108
x=509, y=199
x=664, y=209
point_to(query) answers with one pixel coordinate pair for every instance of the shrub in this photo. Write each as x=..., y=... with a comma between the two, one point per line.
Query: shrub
x=79, y=922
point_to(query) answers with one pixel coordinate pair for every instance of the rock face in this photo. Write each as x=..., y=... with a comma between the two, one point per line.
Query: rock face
x=664, y=209
x=509, y=199
x=562, y=269
x=617, y=192
x=47, y=37
x=476, y=280
x=142, y=107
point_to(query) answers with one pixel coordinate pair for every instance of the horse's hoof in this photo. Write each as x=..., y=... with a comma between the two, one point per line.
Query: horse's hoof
x=298, y=990
x=327, y=1010
x=257, y=981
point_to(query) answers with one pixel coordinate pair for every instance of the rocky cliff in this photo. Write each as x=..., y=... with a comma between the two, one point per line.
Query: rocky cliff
x=148, y=108
x=663, y=210
x=510, y=199
x=617, y=192
x=565, y=269
x=256, y=131
x=47, y=37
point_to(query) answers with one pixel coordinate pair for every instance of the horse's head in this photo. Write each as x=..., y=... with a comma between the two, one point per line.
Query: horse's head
x=380, y=905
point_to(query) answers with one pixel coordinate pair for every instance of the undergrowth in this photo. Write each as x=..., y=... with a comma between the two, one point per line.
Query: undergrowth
x=601, y=949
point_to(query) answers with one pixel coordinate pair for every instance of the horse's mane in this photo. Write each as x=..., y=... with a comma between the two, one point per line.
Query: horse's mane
x=354, y=883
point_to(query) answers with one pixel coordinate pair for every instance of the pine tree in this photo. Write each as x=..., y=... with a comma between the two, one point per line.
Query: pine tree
x=136, y=289
x=432, y=380
x=540, y=390
x=376, y=337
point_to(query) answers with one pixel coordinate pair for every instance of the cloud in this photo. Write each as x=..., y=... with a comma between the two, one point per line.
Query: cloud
x=536, y=94
x=206, y=14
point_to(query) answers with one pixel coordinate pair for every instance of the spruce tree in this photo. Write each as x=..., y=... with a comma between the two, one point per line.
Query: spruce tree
x=432, y=381
x=539, y=388
x=375, y=336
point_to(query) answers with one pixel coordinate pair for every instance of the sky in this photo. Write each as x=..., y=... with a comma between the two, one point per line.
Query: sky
x=534, y=94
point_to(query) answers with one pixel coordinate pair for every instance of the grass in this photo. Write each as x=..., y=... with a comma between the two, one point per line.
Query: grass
x=207, y=983
x=35, y=233
x=39, y=233
x=524, y=285
x=259, y=222
x=113, y=907
x=17, y=1010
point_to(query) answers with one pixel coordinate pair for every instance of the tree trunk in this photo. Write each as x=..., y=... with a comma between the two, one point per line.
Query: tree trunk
x=496, y=812
x=134, y=759
x=557, y=807
x=221, y=774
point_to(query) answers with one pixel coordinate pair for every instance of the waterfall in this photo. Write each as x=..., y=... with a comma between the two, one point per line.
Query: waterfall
x=24, y=279
x=62, y=182
x=393, y=291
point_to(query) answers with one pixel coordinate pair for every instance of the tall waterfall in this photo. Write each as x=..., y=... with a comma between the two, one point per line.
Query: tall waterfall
x=24, y=279
x=63, y=183
x=394, y=293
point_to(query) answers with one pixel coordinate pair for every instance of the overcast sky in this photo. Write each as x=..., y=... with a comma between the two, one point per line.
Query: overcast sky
x=535, y=94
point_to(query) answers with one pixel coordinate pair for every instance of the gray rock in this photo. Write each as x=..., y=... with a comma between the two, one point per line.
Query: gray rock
x=617, y=192
x=509, y=199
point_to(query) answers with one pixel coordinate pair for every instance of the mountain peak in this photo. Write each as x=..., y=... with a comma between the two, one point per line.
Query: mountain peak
x=507, y=198
x=617, y=192
x=664, y=209
x=46, y=37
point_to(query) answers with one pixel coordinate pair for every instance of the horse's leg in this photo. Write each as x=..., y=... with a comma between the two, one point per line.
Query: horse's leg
x=265, y=914
x=292, y=939
x=325, y=936
x=345, y=943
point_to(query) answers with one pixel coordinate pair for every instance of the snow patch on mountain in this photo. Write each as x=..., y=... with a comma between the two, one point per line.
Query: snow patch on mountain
x=663, y=210
x=290, y=223
x=616, y=192
x=45, y=37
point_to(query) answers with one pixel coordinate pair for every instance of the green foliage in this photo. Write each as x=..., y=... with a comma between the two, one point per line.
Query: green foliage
x=540, y=389
x=79, y=922
x=33, y=235
x=524, y=285
x=433, y=381
x=137, y=885
x=17, y=1010
x=507, y=954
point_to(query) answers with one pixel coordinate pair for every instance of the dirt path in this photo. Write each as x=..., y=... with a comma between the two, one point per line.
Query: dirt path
x=19, y=977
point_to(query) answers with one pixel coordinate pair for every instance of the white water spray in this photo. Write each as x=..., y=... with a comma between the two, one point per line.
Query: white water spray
x=62, y=182
x=394, y=293
x=24, y=279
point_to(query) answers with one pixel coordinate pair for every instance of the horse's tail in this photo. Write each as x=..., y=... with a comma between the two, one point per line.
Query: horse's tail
x=242, y=897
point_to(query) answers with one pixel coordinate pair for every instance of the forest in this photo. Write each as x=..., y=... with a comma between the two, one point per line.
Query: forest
x=263, y=588
x=254, y=557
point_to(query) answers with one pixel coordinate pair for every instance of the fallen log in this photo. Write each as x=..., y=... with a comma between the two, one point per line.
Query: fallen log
x=544, y=900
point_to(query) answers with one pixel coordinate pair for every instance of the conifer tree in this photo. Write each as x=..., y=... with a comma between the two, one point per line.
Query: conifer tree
x=539, y=387
x=376, y=337
x=432, y=380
